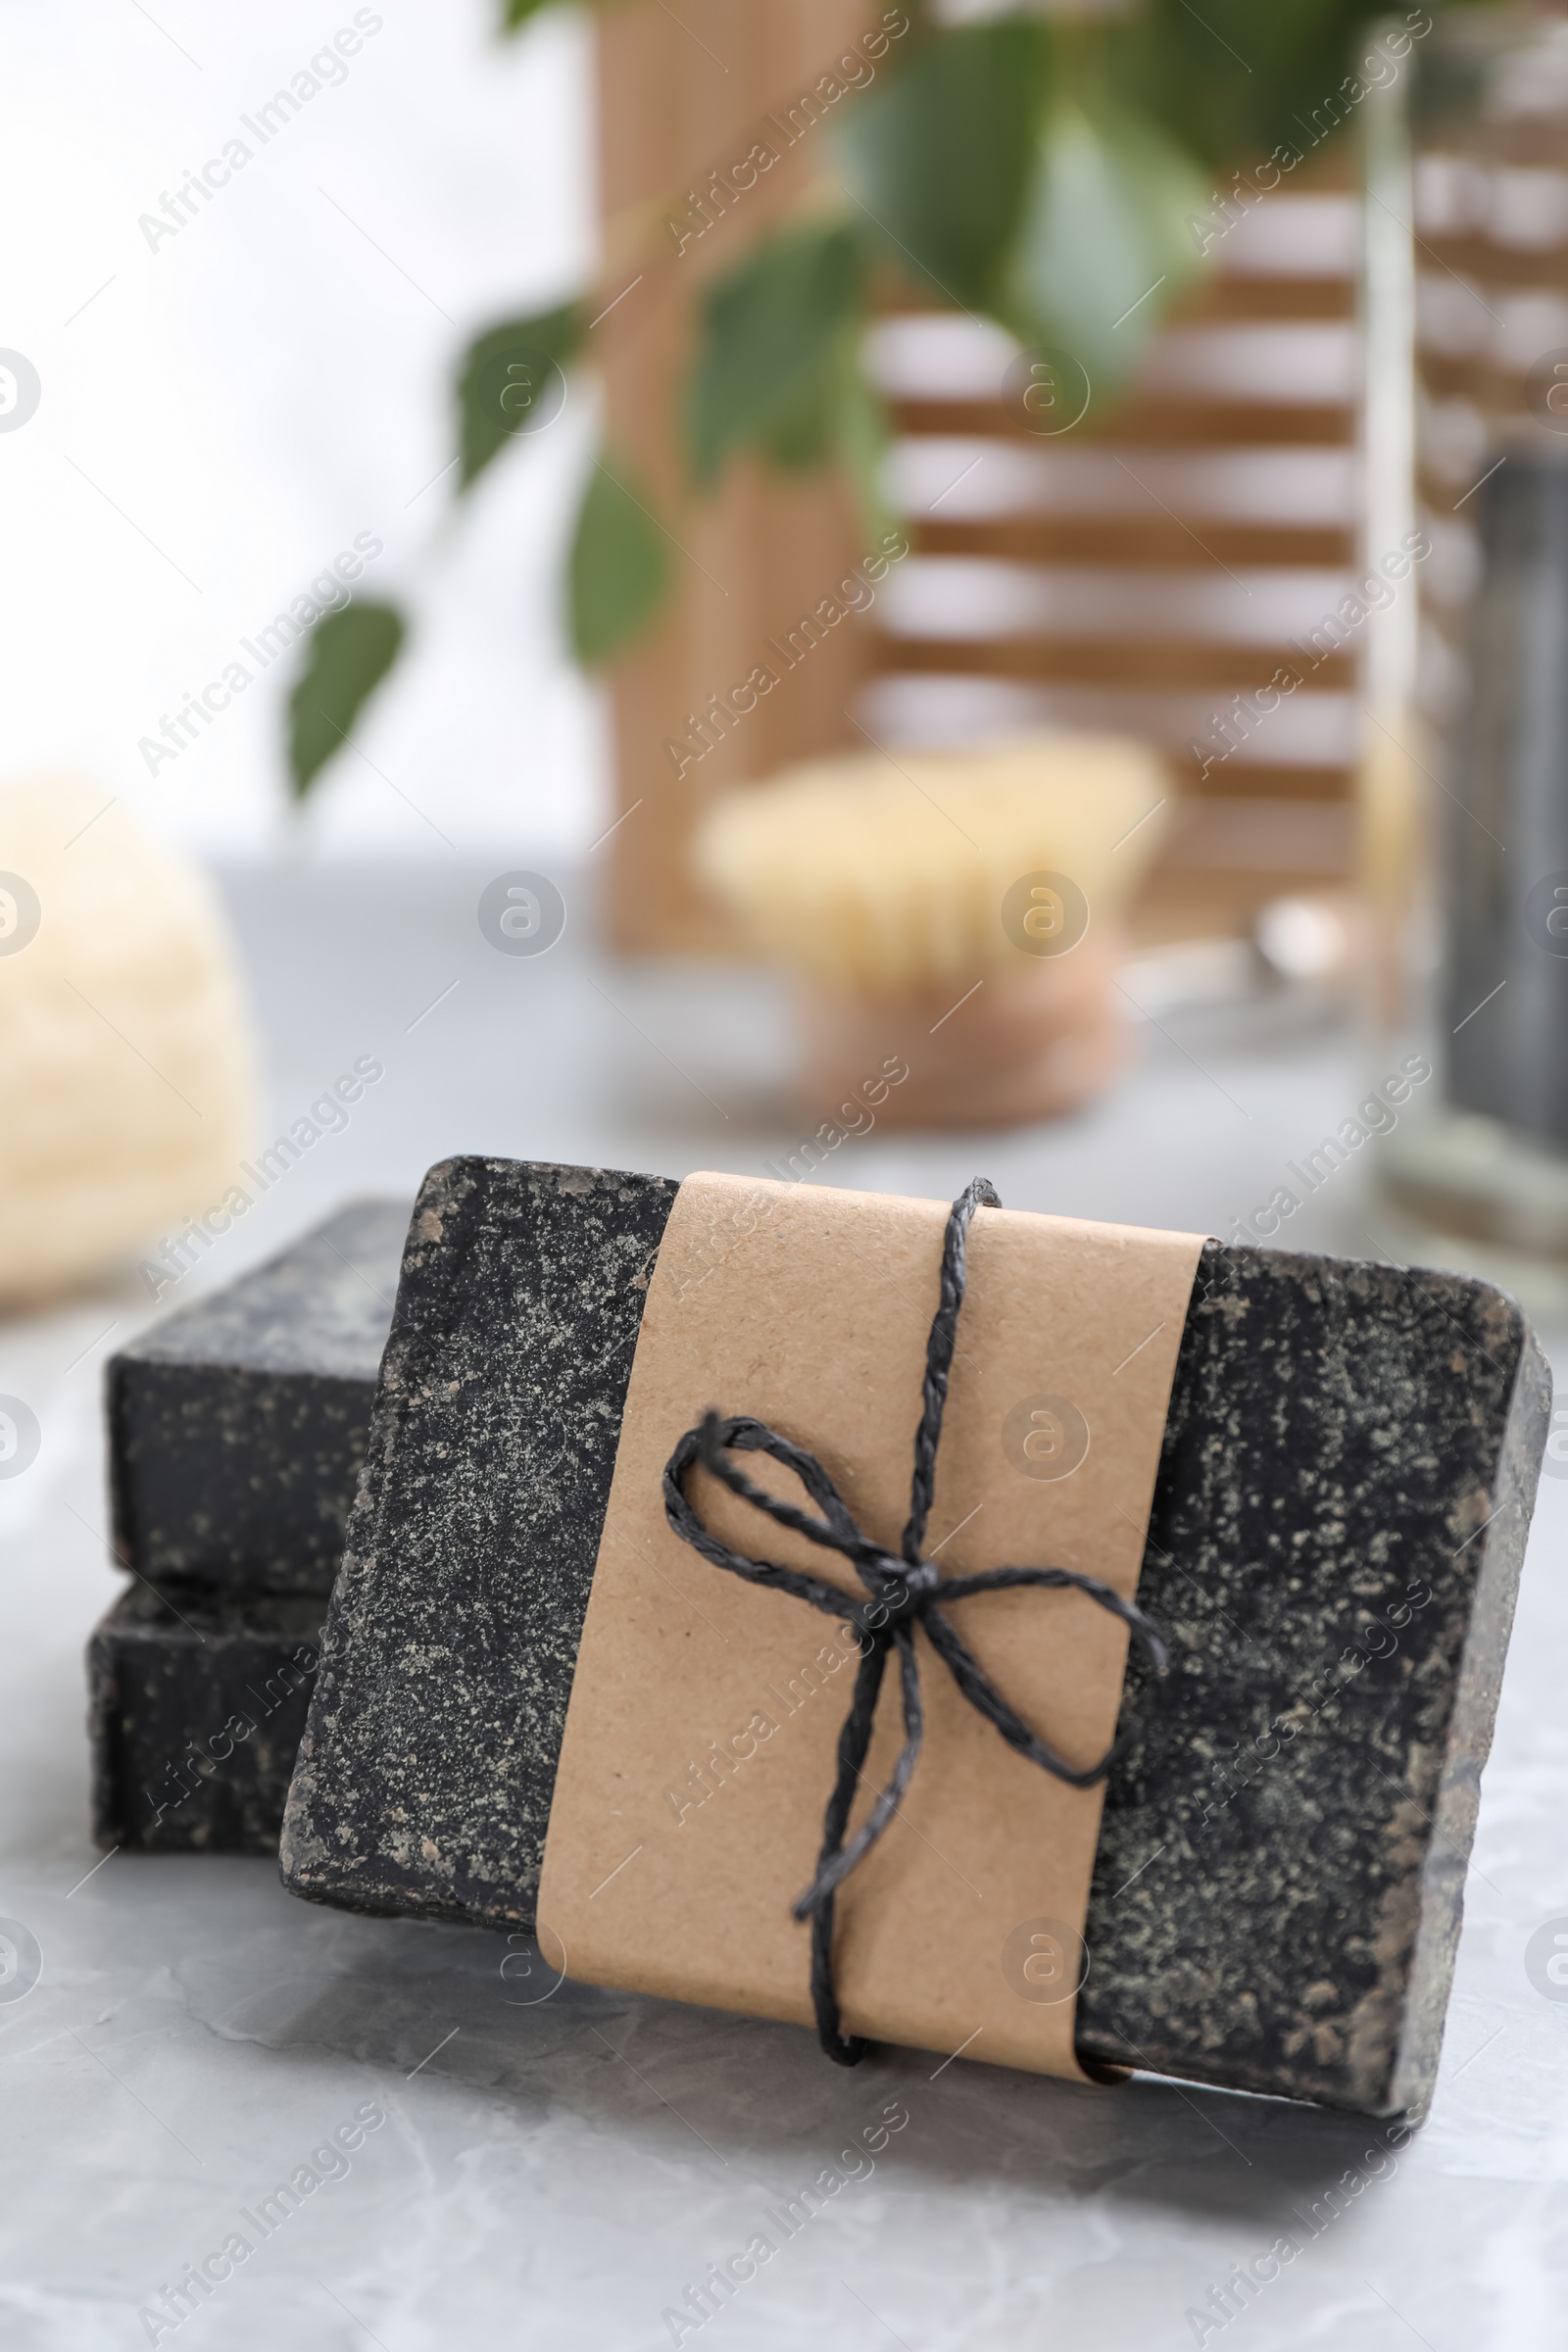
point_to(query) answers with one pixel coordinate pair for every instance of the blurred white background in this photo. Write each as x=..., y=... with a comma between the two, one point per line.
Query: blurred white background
x=223, y=412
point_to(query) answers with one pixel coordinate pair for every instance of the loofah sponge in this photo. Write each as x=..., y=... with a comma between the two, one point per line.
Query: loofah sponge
x=125, y=1096
x=889, y=874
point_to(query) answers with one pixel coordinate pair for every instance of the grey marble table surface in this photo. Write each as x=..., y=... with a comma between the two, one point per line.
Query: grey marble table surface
x=559, y=2173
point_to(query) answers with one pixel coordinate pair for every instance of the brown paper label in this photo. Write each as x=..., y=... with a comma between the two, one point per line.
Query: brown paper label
x=701, y=1738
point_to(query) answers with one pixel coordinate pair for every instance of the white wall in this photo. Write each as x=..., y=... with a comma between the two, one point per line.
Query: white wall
x=253, y=391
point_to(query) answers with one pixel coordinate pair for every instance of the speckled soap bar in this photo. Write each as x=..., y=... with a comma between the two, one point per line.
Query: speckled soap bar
x=237, y=1426
x=236, y=1431
x=1340, y=1517
x=195, y=1712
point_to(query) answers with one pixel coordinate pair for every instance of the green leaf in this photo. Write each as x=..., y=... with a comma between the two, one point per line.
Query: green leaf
x=861, y=441
x=347, y=654
x=619, y=566
x=939, y=154
x=513, y=381
x=514, y=14
x=1233, y=81
x=771, y=331
x=802, y=436
x=1105, y=244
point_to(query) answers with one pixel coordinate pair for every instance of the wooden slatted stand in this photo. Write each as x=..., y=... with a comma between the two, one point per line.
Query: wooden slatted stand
x=1142, y=573
x=1152, y=566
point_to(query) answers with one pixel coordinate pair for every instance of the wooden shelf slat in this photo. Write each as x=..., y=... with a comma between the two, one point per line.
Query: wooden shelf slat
x=1267, y=301
x=1108, y=661
x=1495, y=268
x=1148, y=423
x=1242, y=781
x=1111, y=541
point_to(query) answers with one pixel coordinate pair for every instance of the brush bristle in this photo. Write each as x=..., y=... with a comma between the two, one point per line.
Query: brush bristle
x=887, y=873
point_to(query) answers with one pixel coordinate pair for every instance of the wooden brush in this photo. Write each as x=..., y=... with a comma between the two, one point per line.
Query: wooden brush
x=960, y=912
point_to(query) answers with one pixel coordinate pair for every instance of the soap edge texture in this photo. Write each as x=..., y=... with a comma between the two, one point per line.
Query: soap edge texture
x=1394, y=2051
x=305, y=1861
x=139, y=1360
x=225, y=1621
x=364, y=1514
x=251, y=1390
x=1472, y=1722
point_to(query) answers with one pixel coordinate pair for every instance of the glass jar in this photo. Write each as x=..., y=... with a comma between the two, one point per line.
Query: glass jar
x=1478, y=1177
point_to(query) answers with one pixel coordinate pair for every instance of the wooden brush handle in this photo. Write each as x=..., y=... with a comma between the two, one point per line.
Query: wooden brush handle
x=1034, y=1041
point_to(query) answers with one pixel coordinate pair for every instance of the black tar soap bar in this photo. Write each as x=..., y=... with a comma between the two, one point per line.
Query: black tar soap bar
x=237, y=1426
x=196, y=1710
x=1340, y=1518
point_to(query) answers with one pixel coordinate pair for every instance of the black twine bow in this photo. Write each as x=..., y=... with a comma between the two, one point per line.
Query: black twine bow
x=901, y=1593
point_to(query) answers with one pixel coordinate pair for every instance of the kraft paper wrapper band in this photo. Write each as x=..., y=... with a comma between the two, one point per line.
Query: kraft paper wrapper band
x=811, y=1311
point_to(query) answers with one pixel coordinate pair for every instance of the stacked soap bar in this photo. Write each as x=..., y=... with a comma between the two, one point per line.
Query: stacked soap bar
x=1346, y=1478
x=236, y=1432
